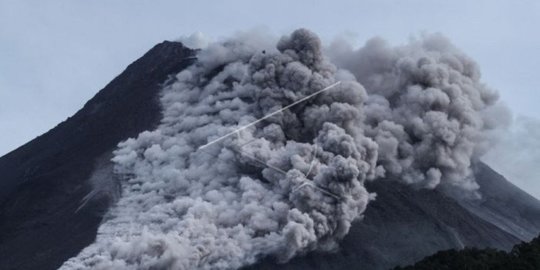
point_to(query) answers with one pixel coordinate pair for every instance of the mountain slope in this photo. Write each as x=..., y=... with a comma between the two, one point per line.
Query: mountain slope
x=43, y=182
x=404, y=225
x=523, y=256
x=505, y=205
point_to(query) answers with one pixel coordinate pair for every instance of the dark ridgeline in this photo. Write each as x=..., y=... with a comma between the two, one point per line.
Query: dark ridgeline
x=43, y=183
x=525, y=256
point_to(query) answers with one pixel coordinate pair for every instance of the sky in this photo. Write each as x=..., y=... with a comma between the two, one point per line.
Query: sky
x=56, y=55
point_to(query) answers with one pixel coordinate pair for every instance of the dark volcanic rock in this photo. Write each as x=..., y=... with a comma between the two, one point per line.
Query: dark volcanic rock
x=42, y=183
x=505, y=205
x=404, y=225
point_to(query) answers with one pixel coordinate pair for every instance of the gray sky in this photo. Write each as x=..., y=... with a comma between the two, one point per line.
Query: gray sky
x=54, y=56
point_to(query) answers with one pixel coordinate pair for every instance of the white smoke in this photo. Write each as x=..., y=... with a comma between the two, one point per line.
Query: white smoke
x=295, y=182
x=197, y=40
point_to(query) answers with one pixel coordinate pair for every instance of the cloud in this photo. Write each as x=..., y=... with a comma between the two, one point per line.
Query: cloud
x=197, y=40
x=295, y=182
x=427, y=108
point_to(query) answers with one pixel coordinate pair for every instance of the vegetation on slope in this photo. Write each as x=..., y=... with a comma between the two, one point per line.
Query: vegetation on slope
x=523, y=256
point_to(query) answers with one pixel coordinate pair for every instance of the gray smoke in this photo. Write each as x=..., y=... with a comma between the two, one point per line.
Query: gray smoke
x=295, y=182
x=427, y=109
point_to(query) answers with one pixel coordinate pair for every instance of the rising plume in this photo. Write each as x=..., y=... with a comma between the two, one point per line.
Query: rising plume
x=293, y=183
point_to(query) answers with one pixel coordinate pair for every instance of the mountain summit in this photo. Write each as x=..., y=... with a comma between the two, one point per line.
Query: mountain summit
x=45, y=181
x=56, y=190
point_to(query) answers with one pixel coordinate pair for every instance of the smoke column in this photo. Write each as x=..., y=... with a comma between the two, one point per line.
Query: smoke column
x=295, y=182
x=427, y=111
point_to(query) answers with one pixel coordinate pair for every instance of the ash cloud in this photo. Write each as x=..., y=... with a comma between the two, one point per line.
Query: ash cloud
x=295, y=182
x=197, y=40
x=427, y=109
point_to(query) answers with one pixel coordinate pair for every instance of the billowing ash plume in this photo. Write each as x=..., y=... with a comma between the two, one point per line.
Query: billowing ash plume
x=427, y=110
x=294, y=182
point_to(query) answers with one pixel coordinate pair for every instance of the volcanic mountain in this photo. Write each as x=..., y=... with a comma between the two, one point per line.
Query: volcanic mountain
x=56, y=189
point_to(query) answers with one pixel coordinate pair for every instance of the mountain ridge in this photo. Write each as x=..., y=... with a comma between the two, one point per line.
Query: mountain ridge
x=45, y=181
x=523, y=256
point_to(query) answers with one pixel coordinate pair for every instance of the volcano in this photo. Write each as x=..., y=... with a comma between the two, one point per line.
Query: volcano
x=56, y=189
